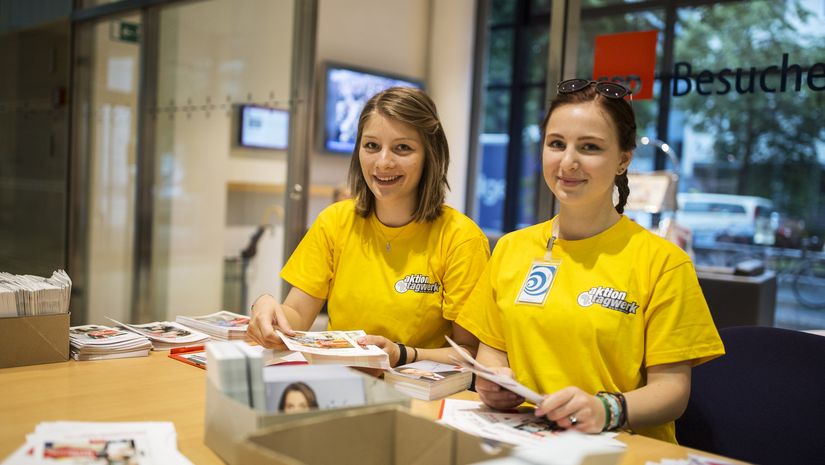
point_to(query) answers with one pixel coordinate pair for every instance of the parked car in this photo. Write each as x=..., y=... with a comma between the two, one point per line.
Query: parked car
x=724, y=217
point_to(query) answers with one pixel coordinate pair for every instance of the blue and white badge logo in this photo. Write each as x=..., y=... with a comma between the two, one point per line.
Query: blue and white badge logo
x=537, y=284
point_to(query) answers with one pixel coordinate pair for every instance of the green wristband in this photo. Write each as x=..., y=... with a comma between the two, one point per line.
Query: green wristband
x=606, y=412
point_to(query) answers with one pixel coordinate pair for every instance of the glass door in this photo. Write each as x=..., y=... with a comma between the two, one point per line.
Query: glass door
x=107, y=65
x=218, y=198
x=183, y=118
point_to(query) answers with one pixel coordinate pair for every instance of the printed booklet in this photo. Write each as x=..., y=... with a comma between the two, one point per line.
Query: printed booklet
x=96, y=342
x=220, y=325
x=166, y=334
x=337, y=348
x=428, y=380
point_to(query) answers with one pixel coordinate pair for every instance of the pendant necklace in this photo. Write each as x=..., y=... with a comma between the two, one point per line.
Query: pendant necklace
x=388, y=241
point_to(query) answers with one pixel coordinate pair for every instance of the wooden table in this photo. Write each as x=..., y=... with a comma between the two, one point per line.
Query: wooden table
x=157, y=388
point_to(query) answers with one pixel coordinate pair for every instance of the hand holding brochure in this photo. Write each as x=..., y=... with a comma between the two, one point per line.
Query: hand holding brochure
x=504, y=381
x=336, y=348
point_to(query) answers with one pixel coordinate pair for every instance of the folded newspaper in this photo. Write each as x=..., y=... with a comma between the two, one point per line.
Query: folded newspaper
x=337, y=348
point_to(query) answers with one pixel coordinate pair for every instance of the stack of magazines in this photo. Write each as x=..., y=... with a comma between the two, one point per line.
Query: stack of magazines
x=72, y=442
x=166, y=335
x=428, y=380
x=27, y=295
x=95, y=342
x=222, y=325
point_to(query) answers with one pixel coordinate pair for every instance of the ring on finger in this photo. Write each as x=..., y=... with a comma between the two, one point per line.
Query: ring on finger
x=573, y=420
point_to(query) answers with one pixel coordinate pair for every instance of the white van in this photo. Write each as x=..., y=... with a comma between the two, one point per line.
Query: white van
x=742, y=218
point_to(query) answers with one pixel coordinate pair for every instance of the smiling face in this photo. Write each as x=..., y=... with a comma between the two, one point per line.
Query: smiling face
x=391, y=154
x=581, y=156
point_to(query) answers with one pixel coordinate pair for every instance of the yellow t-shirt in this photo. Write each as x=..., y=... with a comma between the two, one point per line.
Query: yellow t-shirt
x=622, y=301
x=410, y=293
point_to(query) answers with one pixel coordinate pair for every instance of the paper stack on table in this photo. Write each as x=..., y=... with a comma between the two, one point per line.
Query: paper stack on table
x=166, y=334
x=221, y=325
x=28, y=295
x=227, y=370
x=336, y=348
x=84, y=443
x=428, y=380
x=96, y=342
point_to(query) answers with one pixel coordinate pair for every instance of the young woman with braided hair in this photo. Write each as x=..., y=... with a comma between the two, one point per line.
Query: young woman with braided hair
x=603, y=316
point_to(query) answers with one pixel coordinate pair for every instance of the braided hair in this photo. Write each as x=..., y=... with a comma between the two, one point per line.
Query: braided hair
x=623, y=117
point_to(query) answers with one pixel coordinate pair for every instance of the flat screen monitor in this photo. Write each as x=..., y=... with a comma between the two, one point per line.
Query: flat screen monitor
x=263, y=127
x=347, y=89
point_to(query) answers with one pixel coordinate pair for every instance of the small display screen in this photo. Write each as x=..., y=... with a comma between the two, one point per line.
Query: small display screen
x=265, y=128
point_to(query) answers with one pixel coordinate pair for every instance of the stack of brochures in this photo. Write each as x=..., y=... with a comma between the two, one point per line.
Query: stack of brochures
x=27, y=295
x=221, y=325
x=299, y=388
x=95, y=342
x=73, y=442
x=236, y=369
x=336, y=348
x=227, y=370
x=428, y=380
x=166, y=335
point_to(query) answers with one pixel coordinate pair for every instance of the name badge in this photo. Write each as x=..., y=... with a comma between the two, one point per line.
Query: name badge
x=538, y=282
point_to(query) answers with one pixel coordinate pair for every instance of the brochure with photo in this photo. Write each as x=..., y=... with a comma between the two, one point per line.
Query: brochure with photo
x=97, y=342
x=428, y=380
x=166, y=334
x=300, y=388
x=336, y=347
x=218, y=325
x=506, y=382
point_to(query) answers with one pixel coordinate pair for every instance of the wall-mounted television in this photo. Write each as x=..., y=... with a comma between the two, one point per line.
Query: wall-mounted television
x=263, y=127
x=346, y=90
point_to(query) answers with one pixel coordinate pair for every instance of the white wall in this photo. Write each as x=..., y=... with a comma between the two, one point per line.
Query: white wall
x=430, y=40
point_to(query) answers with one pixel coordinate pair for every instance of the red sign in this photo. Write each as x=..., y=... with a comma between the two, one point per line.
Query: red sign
x=628, y=58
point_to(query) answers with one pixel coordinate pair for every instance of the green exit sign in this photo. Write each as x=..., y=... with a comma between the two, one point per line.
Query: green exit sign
x=125, y=31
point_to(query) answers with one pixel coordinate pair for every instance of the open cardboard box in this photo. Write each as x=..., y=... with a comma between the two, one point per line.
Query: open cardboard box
x=383, y=435
x=228, y=421
x=31, y=340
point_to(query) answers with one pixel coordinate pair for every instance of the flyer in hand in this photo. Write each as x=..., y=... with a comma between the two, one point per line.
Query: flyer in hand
x=336, y=347
x=504, y=381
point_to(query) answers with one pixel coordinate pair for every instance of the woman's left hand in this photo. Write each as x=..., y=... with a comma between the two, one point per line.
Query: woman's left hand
x=385, y=344
x=572, y=408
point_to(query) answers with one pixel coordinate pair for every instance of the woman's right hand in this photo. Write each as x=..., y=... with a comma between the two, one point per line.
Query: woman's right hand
x=268, y=316
x=496, y=396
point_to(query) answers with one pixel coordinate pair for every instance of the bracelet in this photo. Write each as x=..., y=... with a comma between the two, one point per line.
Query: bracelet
x=615, y=409
x=601, y=396
x=415, y=355
x=623, y=419
x=402, y=356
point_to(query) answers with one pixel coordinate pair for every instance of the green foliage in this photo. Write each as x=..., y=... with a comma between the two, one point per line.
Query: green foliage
x=770, y=137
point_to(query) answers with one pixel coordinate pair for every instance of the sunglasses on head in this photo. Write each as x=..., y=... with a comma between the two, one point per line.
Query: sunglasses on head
x=607, y=89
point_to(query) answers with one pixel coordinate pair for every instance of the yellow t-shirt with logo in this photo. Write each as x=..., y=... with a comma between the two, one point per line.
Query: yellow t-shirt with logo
x=621, y=301
x=410, y=293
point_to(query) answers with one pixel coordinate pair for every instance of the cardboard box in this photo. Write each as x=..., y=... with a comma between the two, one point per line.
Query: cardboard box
x=31, y=340
x=372, y=436
x=228, y=421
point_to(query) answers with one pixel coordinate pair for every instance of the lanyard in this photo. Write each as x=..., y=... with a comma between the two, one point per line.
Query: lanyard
x=554, y=234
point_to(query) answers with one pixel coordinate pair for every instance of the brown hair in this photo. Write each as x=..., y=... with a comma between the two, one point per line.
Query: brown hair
x=307, y=391
x=413, y=107
x=623, y=118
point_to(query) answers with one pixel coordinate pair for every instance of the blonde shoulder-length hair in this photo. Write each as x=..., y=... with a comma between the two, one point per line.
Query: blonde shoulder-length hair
x=413, y=107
